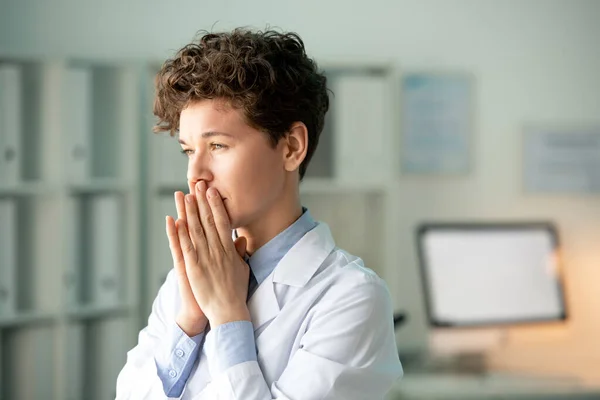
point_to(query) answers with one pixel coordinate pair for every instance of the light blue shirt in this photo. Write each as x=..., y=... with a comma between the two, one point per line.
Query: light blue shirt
x=234, y=340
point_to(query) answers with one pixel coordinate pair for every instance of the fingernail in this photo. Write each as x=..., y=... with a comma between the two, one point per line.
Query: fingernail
x=188, y=198
x=200, y=185
x=210, y=193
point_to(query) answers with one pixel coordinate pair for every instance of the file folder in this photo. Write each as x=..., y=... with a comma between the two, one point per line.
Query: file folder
x=162, y=255
x=106, y=247
x=8, y=257
x=10, y=124
x=171, y=164
x=77, y=111
x=360, y=132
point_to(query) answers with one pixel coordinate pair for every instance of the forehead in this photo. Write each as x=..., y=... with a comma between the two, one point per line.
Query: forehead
x=210, y=115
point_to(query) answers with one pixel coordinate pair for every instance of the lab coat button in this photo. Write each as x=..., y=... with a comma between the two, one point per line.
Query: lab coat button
x=172, y=373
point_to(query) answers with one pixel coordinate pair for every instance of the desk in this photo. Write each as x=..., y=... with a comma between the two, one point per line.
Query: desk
x=495, y=386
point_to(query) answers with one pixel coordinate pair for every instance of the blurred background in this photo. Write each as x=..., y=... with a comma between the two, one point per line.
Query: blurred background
x=460, y=160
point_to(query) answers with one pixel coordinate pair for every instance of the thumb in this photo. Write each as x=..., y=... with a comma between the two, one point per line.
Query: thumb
x=240, y=246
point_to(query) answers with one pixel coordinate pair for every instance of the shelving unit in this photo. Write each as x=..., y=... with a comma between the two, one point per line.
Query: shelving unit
x=69, y=229
x=350, y=182
x=84, y=184
x=166, y=173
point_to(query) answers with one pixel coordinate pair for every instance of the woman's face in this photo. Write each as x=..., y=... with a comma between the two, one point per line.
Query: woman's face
x=235, y=158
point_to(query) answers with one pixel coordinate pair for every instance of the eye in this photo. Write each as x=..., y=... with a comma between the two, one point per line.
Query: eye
x=186, y=152
x=217, y=146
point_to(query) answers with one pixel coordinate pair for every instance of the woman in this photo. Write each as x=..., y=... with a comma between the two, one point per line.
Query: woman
x=274, y=310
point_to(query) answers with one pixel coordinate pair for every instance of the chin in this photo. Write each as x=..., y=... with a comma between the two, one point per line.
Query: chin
x=244, y=217
x=234, y=218
x=237, y=221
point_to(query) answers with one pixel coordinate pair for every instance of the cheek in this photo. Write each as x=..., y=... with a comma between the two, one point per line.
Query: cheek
x=253, y=184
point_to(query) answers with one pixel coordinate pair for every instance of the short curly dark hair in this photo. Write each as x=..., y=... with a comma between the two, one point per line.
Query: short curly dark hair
x=266, y=74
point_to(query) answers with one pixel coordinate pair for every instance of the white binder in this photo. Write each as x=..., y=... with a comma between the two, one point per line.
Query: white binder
x=170, y=164
x=106, y=246
x=162, y=254
x=31, y=374
x=361, y=142
x=111, y=339
x=354, y=220
x=8, y=257
x=76, y=360
x=77, y=115
x=10, y=124
x=75, y=263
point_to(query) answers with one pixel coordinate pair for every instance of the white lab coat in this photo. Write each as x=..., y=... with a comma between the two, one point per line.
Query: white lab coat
x=323, y=329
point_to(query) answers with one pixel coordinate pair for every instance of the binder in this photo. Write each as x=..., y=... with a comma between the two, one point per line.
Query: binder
x=76, y=361
x=77, y=115
x=162, y=253
x=31, y=373
x=8, y=257
x=10, y=124
x=106, y=246
x=109, y=341
x=75, y=221
x=171, y=165
x=360, y=129
x=3, y=385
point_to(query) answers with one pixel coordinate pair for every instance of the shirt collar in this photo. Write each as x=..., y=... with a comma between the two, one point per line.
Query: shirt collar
x=265, y=259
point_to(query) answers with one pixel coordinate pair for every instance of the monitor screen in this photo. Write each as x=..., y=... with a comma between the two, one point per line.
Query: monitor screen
x=488, y=274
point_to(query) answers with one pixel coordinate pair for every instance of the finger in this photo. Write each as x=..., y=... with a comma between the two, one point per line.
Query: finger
x=187, y=248
x=176, y=253
x=221, y=218
x=180, y=205
x=196, y=231
x=207, y=218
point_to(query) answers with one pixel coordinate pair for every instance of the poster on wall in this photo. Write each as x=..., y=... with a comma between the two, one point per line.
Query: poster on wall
x=436, y=123
x=562, y=160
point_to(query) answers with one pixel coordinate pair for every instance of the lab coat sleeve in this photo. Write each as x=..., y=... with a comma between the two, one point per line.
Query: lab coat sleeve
x=348, y=352
x=139, y=378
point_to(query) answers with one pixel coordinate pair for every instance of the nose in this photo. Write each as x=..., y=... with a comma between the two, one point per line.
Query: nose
x=198, y=170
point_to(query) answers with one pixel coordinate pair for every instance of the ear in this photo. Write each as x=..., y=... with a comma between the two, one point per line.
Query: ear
x=295, y=146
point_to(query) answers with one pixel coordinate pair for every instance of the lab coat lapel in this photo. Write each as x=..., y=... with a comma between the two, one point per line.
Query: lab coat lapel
x=296, y=268
x=263, y=304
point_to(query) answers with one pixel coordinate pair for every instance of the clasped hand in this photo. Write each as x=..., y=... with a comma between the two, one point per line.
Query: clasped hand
x=211, y=273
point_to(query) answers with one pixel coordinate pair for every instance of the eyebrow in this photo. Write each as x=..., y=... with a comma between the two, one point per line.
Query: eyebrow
x=209, y=134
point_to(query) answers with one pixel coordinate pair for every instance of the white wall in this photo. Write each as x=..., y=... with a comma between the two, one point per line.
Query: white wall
x=534, y=61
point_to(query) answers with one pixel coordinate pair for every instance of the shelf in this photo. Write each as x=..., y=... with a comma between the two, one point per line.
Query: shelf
x=357, y=64
x=102, y=185
x=70, y=185
x=308, y=186
x=164, y=189
x=95, y=311
x=27, y=318
x=330, y=185
x=28, y=189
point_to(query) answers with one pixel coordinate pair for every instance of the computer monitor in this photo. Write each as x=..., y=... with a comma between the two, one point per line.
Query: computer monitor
x=490, y=274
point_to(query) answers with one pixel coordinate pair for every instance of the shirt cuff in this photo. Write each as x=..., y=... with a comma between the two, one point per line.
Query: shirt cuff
x=175, y=358
x=231, y=344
